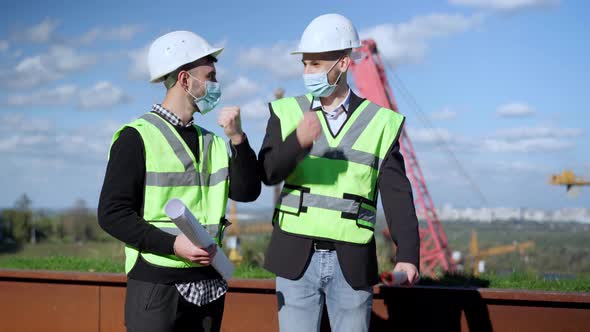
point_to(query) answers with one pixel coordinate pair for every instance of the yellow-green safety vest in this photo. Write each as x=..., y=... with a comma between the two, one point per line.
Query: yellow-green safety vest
x=172, y=171
x=332, y=193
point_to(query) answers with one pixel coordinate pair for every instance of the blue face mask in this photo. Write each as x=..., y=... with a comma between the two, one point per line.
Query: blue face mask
x=207, y=103
x=318, y=85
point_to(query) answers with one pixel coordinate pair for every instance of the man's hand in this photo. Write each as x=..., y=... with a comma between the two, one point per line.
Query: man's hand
x=184, y=248
x=309, y=129
x=410, y=270
x=229, y=119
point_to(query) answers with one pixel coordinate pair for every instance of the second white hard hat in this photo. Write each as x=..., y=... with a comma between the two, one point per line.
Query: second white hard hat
x=175, y=49
x=326, y=33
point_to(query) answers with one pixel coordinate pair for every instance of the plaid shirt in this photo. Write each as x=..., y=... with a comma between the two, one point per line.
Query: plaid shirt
x=204, y=291
x=170, y=117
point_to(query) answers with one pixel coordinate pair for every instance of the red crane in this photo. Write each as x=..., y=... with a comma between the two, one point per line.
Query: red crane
x=369, y=77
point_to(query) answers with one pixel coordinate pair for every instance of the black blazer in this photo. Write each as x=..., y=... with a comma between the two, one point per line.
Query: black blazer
x=288, y=255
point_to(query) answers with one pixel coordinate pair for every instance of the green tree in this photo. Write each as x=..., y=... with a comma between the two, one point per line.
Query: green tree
x=20, y=220
x=80, y=224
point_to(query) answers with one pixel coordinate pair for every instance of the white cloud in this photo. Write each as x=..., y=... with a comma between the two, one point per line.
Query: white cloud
x=240, y=87
x=525, y=139
x=407, y=42
x=19, y=122
x=40, y=139
x=223, y=75
x=8, y=144
x=60, y=95
x=139, y=66
x=255, y=109
x=102, y=95
x=28, y=73
x=444, y=114
x=531, y=139
x=520, y=166
x=275, y=59
x=515, y=109
x=121, y=33
x=527, y=145
x=67, y=59
x=430, y=136
x=537, y=132
x=401, y=43
x=39, y=33
x=50, y=66
x=505, y=5
x=4, y=45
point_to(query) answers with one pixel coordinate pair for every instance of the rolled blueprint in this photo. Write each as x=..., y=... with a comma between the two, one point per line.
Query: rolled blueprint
x=399, y=278
x=194, y=231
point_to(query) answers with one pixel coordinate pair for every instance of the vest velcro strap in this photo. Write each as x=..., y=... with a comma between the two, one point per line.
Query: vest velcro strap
x=291, y=199
x=366, y=215
x=294, y=200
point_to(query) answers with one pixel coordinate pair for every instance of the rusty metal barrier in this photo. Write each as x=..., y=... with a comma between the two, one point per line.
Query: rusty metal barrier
x=72, y=301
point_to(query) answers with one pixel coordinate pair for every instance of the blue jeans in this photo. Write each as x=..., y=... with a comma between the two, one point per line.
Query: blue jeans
x=301, y=301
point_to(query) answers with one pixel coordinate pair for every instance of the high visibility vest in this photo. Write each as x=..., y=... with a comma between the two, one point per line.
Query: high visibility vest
x=332, y=193
x=172, y=171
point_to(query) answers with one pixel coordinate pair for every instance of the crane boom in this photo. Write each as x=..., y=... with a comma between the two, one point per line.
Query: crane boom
x=369, y=76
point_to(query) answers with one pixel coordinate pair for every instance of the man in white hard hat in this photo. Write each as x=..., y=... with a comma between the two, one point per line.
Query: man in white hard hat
x=336, y=152
x=162, y=155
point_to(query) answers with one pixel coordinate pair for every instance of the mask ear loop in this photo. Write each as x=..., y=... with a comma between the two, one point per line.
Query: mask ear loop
x=197, y=98
x=339, y=75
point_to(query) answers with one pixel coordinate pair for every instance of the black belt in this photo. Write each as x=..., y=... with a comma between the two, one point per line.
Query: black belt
x=323, y=245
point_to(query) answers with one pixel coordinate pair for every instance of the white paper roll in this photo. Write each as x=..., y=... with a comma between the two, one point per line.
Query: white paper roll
x=394, y=278
x=194, y=231
x=399, y=278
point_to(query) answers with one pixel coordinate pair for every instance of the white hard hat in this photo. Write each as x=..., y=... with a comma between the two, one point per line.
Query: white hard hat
x=326, y=33
x=175, y=49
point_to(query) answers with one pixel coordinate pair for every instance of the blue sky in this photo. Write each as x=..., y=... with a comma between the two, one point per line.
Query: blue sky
x=503, y=82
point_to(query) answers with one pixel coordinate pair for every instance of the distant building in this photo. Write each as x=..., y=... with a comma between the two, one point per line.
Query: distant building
x=451, y=214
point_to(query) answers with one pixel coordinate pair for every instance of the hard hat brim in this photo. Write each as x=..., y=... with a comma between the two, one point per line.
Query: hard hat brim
x=300, y=51
x=214, y=52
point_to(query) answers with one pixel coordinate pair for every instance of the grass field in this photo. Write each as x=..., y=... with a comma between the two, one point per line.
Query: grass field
x=108, y=257
x=89, y=257
x=561, y=252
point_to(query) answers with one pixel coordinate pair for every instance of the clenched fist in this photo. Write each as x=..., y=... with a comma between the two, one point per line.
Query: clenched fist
x=309, y=129
x=229, y=119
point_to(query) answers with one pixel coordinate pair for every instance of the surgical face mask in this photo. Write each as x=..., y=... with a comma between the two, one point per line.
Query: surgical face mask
x=318, y=85
x=207, y=103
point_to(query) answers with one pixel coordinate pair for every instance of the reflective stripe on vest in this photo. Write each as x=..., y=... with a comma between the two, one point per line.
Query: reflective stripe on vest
x=190, y=177
x=332, y=192
x=173, y=172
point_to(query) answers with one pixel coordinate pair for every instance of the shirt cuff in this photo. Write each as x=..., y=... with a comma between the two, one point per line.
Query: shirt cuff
x=243, y=147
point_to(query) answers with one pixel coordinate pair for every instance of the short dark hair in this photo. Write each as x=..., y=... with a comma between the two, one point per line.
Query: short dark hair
x=172, y=78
